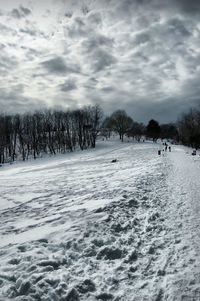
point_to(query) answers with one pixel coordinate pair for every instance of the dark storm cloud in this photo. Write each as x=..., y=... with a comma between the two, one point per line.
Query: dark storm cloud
x=163, y=112
x=188, y=6
x=21, y=12
x=166, y=111
x=140, y=55
x=16, y=13
x=147, y=67
x=176, y=27
x=25, y=10
x=57, y=65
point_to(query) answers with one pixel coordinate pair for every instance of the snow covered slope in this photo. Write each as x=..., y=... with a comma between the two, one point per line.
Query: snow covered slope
x=78, y=227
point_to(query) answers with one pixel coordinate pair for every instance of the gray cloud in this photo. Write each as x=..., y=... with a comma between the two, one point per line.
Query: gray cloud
x=95, y=18
x=142, y=38
x=77, y=28
x=7, y=63
x=25, y=10
x=16, y=13
x=188, y=6
x=28, y=31
x=2, y=46
x=139, y=55
x=21, y=12
x=68, y=85
x=5, y=29
x=102, y=59
x=177, y=27
x=95, y=41
x=181, y=5
x=12, y=100
x=58, y=66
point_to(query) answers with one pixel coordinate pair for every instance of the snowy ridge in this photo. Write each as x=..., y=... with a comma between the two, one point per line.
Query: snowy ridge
x=89, y=229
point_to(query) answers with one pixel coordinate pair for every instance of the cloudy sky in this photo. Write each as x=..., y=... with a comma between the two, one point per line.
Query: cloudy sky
x=139, y=55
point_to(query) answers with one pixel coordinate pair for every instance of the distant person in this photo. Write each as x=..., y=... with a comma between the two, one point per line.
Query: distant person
x=169, y=148
x=194, y=152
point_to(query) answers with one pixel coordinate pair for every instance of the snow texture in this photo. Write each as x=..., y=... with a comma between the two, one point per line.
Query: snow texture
x=79, y=227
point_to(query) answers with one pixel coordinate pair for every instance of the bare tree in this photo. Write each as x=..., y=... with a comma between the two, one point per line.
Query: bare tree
x=121, y=123
x=137, y=130
x=189, y=128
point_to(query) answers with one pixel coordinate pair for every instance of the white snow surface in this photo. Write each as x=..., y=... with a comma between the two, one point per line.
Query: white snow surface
x=78, y=227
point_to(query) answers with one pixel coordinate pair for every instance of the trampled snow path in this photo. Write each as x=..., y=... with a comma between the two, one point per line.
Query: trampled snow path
x=79, y=227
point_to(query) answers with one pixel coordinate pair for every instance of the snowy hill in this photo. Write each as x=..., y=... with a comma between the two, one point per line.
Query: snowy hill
x=78, y=227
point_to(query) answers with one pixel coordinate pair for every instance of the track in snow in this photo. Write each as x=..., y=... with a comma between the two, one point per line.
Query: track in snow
x=81, y=228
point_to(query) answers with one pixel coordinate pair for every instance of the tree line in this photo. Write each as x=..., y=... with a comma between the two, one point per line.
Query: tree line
x=186, y=130
x=52, y=132
x=48, y=132
x=124, y=125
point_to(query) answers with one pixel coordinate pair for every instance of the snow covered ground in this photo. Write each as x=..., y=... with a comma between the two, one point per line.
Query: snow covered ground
x=78, y=227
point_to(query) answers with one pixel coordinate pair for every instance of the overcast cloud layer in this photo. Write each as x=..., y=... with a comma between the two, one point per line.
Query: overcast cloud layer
x=139, y=55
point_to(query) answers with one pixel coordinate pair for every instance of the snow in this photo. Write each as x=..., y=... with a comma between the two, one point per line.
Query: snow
x=78, y=227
